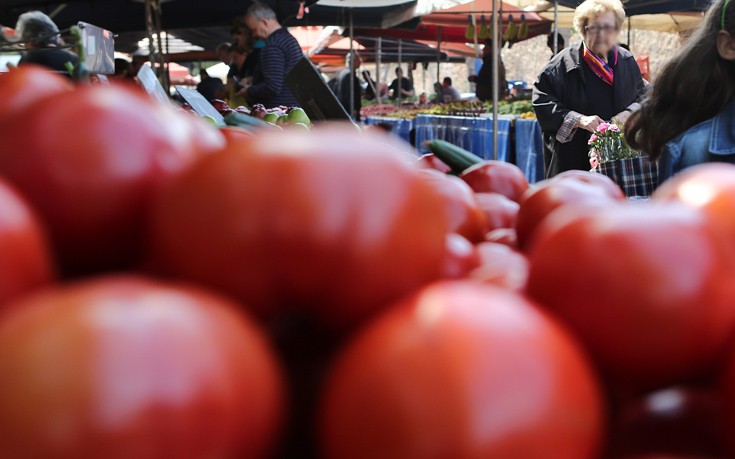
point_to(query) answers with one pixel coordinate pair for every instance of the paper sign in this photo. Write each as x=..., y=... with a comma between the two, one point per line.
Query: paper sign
x=152, y=86
x=99, y=49
x=201, y=106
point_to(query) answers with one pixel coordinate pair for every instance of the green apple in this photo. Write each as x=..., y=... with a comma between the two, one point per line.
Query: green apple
x=210, y=120
x=282, y=120
x=270, y=118
x=300, y=126
x=298, y=115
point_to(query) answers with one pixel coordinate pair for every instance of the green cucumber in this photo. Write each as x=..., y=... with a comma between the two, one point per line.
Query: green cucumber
x=458, y=159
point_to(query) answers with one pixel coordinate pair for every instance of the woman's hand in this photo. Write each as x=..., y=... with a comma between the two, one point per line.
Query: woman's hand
x=622, y=117
x=590, y=123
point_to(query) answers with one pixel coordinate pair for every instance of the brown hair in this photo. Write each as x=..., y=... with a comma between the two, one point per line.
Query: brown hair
x=692, y=87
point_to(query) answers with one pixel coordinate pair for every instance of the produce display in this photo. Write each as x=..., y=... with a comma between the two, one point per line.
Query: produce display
x=522, y=108
x=169, y=289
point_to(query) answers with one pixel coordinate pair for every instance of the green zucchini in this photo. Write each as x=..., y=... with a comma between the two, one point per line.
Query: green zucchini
x=458, y=159
x=245, y=121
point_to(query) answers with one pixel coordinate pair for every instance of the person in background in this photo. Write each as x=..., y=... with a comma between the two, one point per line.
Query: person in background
x=689, y=117
x=211, y=88
x=584, y=86
x=401, y=85
x=423, y=100
x=550, y=43
x=371, y=87
x=122, y=69
x=449, y=92
x=484, y=78
x=280, y=55
x=341, y=87
x=43, y=43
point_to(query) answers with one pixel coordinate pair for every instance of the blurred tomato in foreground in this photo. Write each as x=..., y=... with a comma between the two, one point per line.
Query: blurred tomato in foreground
x=540, y=202
x=462, y=370
x=90, y=162
x=430, y=161
x=25, y=260
x=496, y=177
x=708, y=187
x=592, y=178
x=129, y=368
x=648, y=290
x=332, y=222
x=462, y=209
x=501, y=266
x=461, y=257
x=26, y=85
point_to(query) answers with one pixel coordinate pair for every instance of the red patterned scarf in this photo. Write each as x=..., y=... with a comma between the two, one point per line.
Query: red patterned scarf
x=600, y=67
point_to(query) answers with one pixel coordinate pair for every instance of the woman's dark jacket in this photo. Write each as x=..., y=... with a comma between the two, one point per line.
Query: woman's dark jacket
x=562, y=87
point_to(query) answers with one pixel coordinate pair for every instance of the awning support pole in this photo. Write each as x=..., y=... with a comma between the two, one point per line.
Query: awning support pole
x=496, y=72
x=352, y=69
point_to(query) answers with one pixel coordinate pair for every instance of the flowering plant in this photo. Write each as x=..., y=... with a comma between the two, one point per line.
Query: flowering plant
x=608, y=144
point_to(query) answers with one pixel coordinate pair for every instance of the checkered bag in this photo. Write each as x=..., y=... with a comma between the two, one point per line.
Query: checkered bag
x=636, y=176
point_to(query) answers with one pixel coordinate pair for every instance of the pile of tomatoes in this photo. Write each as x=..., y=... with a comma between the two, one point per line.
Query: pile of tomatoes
x=168, y=290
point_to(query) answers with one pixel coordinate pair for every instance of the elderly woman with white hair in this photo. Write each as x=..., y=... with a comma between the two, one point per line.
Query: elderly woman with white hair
x=42, y=42
x=585, y=85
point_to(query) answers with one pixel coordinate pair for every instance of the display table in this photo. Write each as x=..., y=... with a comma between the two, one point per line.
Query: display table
x=529, y=149
x=472, y=134
x=399, y=126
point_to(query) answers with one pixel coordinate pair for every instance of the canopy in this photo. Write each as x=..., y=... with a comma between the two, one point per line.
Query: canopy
x=458, y=15
x=664, y=22
x=637, y=7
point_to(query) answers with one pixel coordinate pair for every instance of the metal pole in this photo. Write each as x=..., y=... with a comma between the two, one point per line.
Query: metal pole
x=496, y=72
x=438, y=53
x=628, y=31
x=400, y=66
x=377, y=68
x=556, y=27
x=352, y=68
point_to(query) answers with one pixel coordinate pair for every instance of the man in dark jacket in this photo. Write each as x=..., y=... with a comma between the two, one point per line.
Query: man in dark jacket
x=341, y=87
x=281, y=53
x=43, y=43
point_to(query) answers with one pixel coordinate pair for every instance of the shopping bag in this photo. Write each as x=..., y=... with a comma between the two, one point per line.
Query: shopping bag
x=636, y=176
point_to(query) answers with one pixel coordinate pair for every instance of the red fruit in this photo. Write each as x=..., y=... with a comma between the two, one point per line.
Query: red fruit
x=462, y=370
x=461, y=208
x=500, y=212
x=502, y=266
x=496, y=177
x=461, y=257
x=431, y=162
x=26, y=85
x=125, y=367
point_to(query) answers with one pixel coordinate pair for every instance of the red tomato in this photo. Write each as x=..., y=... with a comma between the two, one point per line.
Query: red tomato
x=465, y=216
x=538, y=203
x=496, y=177
x=461, y=257
x=90, y=162
x=505, y=236
x=462, y=370
x=709, y=187
x=649, y=290
x=26, y=85
x=502, y=266
x=233, y=134
x=129, y=368
x=25, y=262
x=500, y=212
x=592, y=178
x=329, y=221
x=430, y=161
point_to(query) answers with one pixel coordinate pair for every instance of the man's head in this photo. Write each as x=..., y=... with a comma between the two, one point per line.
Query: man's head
x=559, y=41
x=399, y=72
x=447, y=83
x=261, y=20
x=37, y=30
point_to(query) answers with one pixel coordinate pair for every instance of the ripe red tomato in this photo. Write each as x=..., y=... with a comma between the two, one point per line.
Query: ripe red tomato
x=540, y=202
x=130, y=368
x=431, y=162
x=500, y=212
x=330, y=221
x=648, y=290
x=233, y=134
x=25, y=261
x=501, y=266
x=462, y=370
x=505, y=236
x=26, y=85
x=90, y=162
x=709, y=187
x=461, y=257
x=678, y=421
x=592, y=178
x=465, y=216
x=496, y=177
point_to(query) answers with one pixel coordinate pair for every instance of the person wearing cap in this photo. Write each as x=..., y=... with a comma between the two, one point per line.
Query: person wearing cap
x=43, y=42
